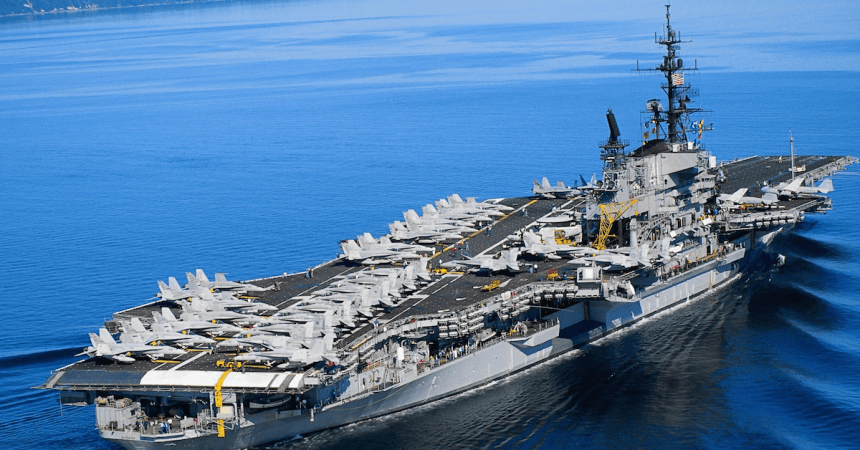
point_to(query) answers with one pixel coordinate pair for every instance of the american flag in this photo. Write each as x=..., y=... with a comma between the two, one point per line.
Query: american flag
x=677, y=78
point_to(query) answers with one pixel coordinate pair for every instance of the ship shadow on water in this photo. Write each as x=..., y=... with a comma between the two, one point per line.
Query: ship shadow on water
x=792, y=288
x=797, y=244
x=49, y=356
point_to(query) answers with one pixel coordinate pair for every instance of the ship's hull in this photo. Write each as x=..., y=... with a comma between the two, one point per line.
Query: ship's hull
x=466, y=372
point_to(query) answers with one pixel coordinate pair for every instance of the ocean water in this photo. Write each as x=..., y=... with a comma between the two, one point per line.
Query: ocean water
x=250, y=138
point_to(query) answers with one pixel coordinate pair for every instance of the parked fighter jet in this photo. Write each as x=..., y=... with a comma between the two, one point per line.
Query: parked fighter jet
x=546, y=190
x=367, y=242
x=223, y=300
x=429, y=212
x=194, y=323
x=296, y=330
x=353, y=252
x=209, y=311
x=471, y=204
x=365, y=297
x=533, y=244
x=617, y=258
x=221, y=283
x=452, y=206
x=738, y=198
x=558, y=219
x=796, y=187
x=104, y=346
x=404, y=232
x=351, y=305
x=270, y=342
x=507, y=260
x=405, y=277
x=173, y=291
x=593, y=184
x=341, y=312
x=435, y=224
x=134, y=332
x=295, y=355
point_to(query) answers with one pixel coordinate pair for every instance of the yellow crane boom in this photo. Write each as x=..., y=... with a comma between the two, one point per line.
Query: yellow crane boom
x=609, y=213
x=219, y=400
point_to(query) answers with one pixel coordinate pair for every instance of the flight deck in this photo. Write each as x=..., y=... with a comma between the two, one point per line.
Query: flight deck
x=447, y=292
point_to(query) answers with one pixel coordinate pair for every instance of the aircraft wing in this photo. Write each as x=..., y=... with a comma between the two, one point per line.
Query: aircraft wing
x=794, y=185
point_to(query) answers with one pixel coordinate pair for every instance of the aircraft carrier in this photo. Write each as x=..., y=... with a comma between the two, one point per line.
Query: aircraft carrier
x=465, y=293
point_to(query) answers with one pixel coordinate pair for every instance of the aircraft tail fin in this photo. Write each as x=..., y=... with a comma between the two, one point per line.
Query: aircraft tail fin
x=512, y=255
x=221, y=277
x=159, y=325
x=544, y=183
x=105, y=336
x=201, y=276
x=738, y=195
x=94, y=340
x=168, y=314
x=346, y=308
x=137, y=325
x=411, y=217
x=455, y=198
x=769, y=198
x=328, y=341
x=174, y=285
x=826, y=186
x=345, y=249
x=166, y=292
x=307, y=330
x=317, y=347
x=560, y=184
x=397, y=227
x=530, y=239
x=366, y=239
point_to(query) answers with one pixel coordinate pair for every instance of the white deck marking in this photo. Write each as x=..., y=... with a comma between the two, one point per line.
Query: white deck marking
x=186, y=362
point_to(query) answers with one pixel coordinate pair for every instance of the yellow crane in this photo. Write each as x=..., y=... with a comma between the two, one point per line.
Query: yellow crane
x=219, y=400
x=609, y=213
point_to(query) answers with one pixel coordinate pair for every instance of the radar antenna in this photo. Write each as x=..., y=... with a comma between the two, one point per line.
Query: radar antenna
x=613, y=147
x=678, y=92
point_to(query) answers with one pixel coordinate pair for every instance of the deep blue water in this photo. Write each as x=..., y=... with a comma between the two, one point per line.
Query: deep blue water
x=250, y=138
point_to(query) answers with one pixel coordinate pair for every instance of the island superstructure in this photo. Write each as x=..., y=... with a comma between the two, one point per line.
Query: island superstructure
x=462, y=294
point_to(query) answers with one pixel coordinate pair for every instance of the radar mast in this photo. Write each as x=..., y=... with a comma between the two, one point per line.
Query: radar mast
x=678, y=92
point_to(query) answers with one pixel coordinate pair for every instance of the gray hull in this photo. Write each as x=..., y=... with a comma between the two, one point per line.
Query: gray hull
x=466, y=372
